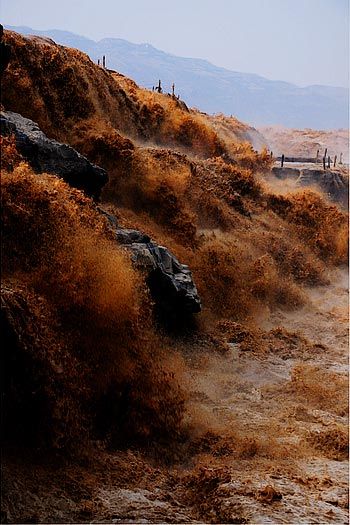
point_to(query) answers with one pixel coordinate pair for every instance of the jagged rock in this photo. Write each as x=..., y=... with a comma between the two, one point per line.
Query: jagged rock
x=170, y=282
x=333, y=183
x=49, y=156
x=125, y=236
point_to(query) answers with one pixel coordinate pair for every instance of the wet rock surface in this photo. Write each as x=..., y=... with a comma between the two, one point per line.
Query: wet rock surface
x=49, y=156
x=332, y=182
x=170, y=282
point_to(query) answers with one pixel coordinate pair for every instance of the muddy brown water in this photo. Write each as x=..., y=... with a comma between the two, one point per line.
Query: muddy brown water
x=249, y=398
x=279, y=456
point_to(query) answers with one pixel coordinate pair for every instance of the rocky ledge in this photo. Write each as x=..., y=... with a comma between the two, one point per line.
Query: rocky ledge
x=170, y=282
x=49, y=156
x=332, y=182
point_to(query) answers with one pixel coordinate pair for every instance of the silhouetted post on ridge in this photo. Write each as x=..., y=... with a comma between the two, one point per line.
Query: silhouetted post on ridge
x=104, y=62
x=329, y=162
x=159, y=87
x=282, y=160
x=335, y=161
x=173, y=90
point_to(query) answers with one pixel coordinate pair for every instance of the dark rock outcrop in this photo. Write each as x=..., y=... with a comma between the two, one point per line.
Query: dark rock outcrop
x=333, y=183
x=170, y=282
x=49, y=156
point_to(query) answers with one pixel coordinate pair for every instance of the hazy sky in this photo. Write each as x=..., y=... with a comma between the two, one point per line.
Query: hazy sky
x=300, y=41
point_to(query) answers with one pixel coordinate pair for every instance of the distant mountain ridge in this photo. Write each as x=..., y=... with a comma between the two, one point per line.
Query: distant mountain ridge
x=213, y=89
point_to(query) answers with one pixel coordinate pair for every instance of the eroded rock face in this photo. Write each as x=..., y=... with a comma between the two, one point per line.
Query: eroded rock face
x=333, y=183
x=49, y=156
x=170, y=282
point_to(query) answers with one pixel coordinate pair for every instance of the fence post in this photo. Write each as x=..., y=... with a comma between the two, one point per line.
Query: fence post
x=173, y=90
x=159, y=87
x=335, y=161
x=341, y=159
x=329, y=162
x=104, y=62
x=324, y=163
x=282, y=160
x=98, y=61
x=317, y=154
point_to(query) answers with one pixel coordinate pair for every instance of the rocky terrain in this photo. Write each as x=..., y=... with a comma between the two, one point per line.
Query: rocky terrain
x=332, y=182
x=173, y=325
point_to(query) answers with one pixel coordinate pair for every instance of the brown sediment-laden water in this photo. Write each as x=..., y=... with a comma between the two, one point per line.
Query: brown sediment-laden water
x=270, y=444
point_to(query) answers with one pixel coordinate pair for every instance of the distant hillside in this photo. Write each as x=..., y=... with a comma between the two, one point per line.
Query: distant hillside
x=213, y=89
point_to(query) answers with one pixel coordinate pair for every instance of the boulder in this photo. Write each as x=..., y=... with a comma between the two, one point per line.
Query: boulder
x=170, y=282
x=49, y=156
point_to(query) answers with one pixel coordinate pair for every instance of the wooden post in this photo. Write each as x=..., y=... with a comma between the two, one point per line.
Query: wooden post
x=173, y=90
x=159, y=87
x=325, y=152
x=271, y=154
x=317, y=154
x=341, y=159
x=335, y=161
x=282, y=160
x=329, y=162
x=324, y=163
x=98, y=61
x=104, y=62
